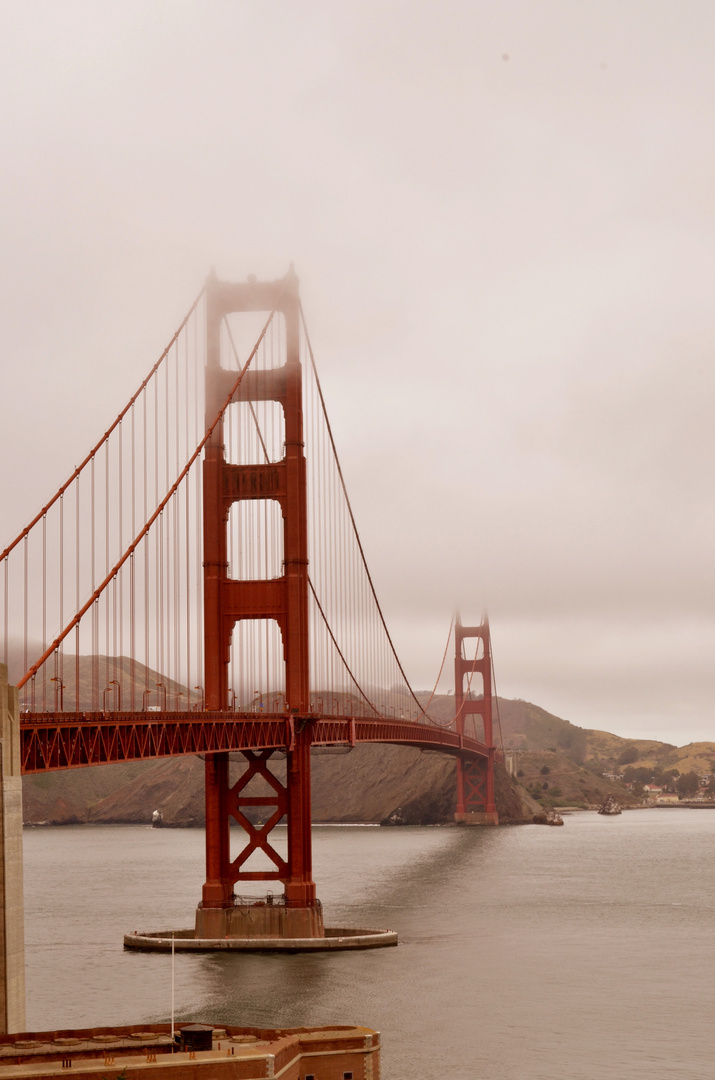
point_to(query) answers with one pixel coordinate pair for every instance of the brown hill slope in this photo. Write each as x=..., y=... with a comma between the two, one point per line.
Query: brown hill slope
x=556, y=780
x=528, y=727
x=366, y=785
x=68, y=798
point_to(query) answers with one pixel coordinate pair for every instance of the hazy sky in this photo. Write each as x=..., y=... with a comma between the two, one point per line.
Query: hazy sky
x=503, y=218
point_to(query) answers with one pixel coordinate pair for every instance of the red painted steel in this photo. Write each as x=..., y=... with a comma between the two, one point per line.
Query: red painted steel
x=284, y=599
x=54, y=741
x=475, y=776
x=258, y=834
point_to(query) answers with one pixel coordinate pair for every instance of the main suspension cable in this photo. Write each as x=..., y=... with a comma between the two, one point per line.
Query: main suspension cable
x=92, y=454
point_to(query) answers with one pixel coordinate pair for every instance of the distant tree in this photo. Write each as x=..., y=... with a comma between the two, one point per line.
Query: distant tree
x=688, y=783
x=665, y=777
x=545, y=786
x=572, y=741
x=628, y=756
x=641, y=775
x=545, y=770
x=520, y=772
x=556, y=793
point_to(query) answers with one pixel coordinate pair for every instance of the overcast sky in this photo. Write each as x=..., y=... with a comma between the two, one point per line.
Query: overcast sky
x=503, y=218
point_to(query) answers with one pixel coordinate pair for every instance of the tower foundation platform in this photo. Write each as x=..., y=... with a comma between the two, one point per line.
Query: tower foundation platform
x=260, y=925
x=336, y=939
x=260, y=919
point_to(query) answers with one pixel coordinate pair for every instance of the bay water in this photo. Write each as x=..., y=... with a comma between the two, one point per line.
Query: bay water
x=527, y=953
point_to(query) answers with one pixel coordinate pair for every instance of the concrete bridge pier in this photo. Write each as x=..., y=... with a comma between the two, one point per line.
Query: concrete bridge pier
x=12, y=911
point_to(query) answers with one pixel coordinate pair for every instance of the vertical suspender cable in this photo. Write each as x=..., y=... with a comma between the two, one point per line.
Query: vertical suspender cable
x=59, y=674
x=93, y=652
x=119, y=610
x=107, y=563
x=44, y=607
x=6, y=614
x=78, y=533
x=24, y=621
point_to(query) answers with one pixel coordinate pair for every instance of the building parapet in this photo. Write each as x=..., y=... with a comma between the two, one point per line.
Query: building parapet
x=226, y=1053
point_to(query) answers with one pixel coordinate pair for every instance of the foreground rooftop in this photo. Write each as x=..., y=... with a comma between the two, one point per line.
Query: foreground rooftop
x=198, y=1052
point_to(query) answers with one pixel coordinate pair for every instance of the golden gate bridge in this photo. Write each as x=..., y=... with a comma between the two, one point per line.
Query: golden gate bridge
x=198, y=586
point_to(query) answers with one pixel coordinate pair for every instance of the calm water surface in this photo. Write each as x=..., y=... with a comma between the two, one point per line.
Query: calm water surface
x=527, y=953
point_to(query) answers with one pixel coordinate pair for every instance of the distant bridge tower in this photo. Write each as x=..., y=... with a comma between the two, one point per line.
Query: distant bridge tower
x=475, y=778
x=283, y=599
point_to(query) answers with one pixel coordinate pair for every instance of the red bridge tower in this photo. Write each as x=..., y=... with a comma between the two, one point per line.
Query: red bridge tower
x=283, y=599
x=475, y=777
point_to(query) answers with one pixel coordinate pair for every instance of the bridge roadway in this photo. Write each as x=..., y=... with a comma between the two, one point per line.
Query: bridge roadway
x=53, y=741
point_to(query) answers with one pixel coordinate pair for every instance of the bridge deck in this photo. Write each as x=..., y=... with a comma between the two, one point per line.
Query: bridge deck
x=53, y=741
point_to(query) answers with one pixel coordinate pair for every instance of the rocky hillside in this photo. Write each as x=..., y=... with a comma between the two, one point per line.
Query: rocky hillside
x=368, y=784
